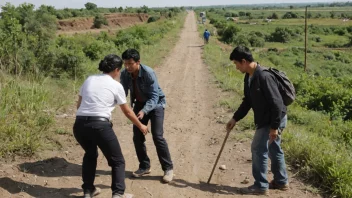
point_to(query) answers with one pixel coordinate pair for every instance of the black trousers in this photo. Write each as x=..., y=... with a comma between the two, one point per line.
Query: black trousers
x=156, y=117
x=93, y=134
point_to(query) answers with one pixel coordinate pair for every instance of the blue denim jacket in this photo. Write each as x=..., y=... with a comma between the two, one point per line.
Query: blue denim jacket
x=148, y=88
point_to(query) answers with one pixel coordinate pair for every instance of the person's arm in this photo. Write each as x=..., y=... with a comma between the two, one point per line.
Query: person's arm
x=132, y=116
x=152, y=89
x=242, y=109
x=79, y=101
x=245, y=105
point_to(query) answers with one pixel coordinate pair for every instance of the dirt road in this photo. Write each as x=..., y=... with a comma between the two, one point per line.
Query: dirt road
x=192, y=130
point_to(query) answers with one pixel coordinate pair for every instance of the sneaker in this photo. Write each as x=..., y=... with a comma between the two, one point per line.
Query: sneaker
x=253, y=190
x=168, y=175
x=274, y=185
x=117, y=196
x=141, y=172
x=90, y=194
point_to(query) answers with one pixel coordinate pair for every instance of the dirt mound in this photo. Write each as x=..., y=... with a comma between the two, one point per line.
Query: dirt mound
x=114, y=20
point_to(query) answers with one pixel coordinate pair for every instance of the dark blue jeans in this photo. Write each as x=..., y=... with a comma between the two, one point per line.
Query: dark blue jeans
x=91, y=134
x=261, y=150
x=156, y=116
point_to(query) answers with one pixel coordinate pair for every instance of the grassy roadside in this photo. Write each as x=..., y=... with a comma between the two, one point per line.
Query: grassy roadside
x=28, y=107
x=322, y=159
x=153, y=55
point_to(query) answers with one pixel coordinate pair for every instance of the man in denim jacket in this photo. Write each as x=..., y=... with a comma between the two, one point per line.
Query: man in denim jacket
x=148, y=102
x=261, y=94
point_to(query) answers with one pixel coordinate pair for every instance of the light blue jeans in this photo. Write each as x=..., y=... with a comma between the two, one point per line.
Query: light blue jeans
x=260, y=151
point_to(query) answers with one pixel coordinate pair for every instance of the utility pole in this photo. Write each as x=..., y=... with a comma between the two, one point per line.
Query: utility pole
x=306, y=40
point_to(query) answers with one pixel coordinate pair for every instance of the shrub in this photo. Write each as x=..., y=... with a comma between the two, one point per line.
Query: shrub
x=340, y=31
x=69, y=61
x=97, y=49
x=256, y=41
x=241, y=40
x=282, y=35
x=274, y=16
x=230, y=33
x=329, y=56
x=99, y=20
x=290, y=15
x=299, y=64
x=153, y=19
x=349, y=29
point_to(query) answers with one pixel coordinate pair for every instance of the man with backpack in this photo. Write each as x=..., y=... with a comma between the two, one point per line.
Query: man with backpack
x=262, y=93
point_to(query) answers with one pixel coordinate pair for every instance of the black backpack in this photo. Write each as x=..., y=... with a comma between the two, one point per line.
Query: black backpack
x=286, y=88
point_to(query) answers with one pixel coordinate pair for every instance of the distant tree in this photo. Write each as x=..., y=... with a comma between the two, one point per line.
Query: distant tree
x=26, y=12
x=350, y=42
x=274, y=16
x=230, y=33
x=344, y=15
x=256, y=41
x=309, y=15
x=291, y=7
x=113, y=10
x=145, y=9
x=319, y=15
x=242, y=13
x=76, y=13
x=90, y=6
x=228, y=14
x=241, y=40
x=290, y=15
x=153, y=19
x=234, y=15
x=332, y=15
x=99, y=20
x=282, y=35
x=120, y=9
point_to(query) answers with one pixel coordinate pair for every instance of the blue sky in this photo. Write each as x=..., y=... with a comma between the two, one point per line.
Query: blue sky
x=150, y=3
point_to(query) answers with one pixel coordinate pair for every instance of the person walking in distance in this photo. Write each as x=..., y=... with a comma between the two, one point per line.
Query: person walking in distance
x=148, y=101
x=206, y=36
x=97, y=98
x=261, y=94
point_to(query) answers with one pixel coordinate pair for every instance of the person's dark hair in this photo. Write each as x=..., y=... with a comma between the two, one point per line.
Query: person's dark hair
x=110, y=63
x=206, y=29
x=241, y=52
x=131, y=53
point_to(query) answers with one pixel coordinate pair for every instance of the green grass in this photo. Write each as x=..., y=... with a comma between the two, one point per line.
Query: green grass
x=27, y=114
x=153, y=55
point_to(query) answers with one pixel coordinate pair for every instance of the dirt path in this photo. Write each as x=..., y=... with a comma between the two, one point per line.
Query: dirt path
x=191, y=129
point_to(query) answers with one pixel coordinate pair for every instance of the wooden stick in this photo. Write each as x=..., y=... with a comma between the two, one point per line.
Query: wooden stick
x=217, y=159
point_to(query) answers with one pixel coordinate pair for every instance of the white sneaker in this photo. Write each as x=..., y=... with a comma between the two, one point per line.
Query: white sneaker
x=168, y=175
x=117, y=196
